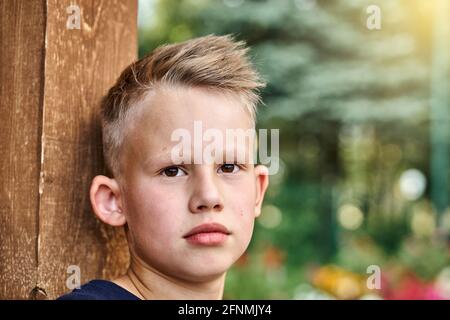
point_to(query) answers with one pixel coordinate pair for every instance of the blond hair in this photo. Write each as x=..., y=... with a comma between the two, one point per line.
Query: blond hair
x=217, y=62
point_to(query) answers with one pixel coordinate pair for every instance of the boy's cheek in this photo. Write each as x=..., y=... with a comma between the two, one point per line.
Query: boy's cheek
x=244, y=195
x=147, y=207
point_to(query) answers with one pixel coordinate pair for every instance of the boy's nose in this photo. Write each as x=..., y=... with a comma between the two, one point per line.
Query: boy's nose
x=206, y=195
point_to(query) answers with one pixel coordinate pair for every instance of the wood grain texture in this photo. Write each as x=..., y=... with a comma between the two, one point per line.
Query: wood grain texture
x=53, y=150
x=80, y=66
x=22, y=32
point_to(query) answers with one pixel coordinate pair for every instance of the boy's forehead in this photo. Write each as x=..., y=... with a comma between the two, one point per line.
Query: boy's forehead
x=166, y=110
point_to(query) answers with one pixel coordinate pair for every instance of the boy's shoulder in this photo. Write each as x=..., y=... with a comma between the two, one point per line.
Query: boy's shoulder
x=99, y=290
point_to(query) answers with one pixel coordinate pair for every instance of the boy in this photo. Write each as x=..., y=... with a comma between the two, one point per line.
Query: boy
x=186, y=221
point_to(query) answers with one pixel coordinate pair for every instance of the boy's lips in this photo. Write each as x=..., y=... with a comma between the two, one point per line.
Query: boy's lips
x=207, y=234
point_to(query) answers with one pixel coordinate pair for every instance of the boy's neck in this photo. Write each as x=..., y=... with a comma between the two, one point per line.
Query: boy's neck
x=149, y=284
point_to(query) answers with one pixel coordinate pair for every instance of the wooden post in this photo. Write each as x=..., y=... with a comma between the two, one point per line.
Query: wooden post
x=53, y=72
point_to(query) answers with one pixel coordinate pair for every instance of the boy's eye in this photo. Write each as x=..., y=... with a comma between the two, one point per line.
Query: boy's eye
x=229, y=168
x=173, y=172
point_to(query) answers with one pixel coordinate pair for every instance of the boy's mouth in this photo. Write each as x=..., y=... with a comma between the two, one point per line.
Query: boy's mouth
x=207, y=234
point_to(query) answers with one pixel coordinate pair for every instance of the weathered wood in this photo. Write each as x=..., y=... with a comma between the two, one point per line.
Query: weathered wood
x=80, y=64
x=22, y=32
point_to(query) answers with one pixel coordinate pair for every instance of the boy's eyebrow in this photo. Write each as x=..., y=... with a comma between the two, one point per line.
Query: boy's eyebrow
x=157, y=159
x=165, y=158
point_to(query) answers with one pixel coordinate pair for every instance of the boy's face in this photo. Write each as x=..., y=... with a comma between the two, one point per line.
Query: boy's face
x=162, y=202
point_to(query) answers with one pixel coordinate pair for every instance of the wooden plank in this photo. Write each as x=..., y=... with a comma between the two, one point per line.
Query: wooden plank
x=22, y=34
x=80, y=65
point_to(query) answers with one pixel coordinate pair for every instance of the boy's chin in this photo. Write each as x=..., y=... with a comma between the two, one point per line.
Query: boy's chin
x=205, y=276
x=201, y=272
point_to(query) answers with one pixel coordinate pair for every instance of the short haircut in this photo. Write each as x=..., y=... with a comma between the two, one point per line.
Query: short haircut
x=213, y=62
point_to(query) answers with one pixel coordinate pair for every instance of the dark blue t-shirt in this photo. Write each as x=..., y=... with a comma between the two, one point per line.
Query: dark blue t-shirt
x=99, y=290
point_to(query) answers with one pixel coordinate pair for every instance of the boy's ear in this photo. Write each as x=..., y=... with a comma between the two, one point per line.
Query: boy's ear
x=262, y=182
x=106, y=201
